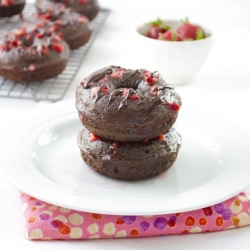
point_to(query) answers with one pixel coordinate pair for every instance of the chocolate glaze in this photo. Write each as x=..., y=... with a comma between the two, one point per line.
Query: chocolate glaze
x=97, y=75
x=70, y=25
x=124, y=101
x=88, y=8
x=99, y=93
x=135, y=82
x=133, y=106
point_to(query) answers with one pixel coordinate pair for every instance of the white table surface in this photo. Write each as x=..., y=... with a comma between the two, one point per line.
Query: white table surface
x=222, y=86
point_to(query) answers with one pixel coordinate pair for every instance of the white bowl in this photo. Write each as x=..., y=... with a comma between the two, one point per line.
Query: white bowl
x=178, y=62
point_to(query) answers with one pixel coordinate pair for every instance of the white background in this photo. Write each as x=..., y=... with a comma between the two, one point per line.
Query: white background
x=222, y=86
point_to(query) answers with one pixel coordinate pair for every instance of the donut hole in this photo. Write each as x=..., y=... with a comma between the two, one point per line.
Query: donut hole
x=146, y=151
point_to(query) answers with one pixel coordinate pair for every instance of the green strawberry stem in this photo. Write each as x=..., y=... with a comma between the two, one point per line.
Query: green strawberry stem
x=159, y=23
x=174, y=36
x=161, y=37
x=199, y=34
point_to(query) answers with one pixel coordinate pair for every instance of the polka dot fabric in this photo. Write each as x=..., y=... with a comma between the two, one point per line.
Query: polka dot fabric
x=49, y=222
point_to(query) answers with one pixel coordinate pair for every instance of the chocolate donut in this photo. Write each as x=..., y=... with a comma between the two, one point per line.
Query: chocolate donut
x=50, y=10
x=129, y=160
x=9, y=8
x=89, y=8
x=127, y=105
x=31, y=54
x=71, y=26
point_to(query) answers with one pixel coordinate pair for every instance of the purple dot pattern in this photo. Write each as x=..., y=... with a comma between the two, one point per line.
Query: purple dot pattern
x=219, y=208
x=129, y=219
x=44, y=216
x=227, y=214
x=144, y=226
x=160, y=223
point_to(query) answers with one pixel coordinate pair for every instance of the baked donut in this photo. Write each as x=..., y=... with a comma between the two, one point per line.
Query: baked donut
x=9, y=8
x=50, y=10
x=89, y=8
x=127, y=105
x=31, y=54
x=71, y=26
x=129, y=160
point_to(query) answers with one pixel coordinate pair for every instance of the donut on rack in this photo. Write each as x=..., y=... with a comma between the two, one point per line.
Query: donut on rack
x=89, y=8
x=71, y=26
x=127, y=105
x=129, y=160
x=50, y=10
x=9, y=8
x=32, y=54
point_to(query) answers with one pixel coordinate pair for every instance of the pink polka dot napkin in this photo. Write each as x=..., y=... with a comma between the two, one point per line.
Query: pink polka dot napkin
x=46, y=221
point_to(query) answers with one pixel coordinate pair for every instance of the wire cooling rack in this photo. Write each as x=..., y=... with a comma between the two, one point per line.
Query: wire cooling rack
x=53, y=89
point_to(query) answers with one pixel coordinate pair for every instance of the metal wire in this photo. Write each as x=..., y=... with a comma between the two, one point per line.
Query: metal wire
x=53, y=89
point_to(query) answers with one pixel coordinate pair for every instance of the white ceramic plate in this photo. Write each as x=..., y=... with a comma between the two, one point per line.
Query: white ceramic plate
x=42, y=159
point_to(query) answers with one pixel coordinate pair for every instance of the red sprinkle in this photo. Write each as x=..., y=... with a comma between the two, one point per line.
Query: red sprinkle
x=105, y=89
x=174, y=106
x=40, y=35
x=146, y=140
x=57, y=47
x=54, y=28
x=161, y=137
x=115, y=145
x=5, y=47
x=14, y=43
x=150, y=79
x=94, y=137
x=133, y=97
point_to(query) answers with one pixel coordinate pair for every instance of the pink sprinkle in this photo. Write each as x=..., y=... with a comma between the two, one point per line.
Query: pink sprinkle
x=94, y=91
x=32, y=67
x=116, y=74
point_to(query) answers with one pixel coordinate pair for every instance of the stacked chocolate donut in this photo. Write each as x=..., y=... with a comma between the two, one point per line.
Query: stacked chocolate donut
x=128, y=117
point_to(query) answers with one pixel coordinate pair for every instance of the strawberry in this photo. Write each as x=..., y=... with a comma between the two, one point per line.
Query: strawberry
x=157, y=27
x=188, y=31
x=169, y=35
